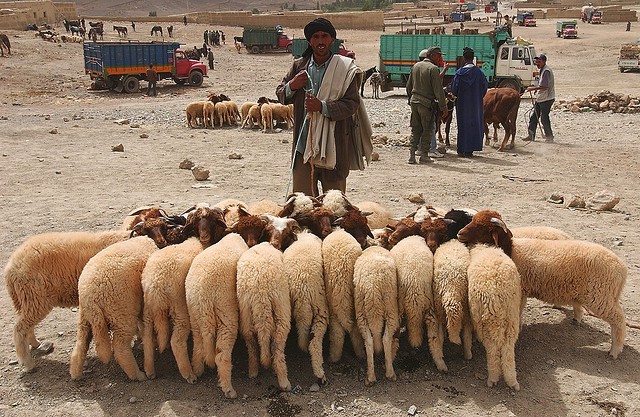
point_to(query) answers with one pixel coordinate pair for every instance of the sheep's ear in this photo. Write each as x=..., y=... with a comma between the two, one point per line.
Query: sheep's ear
x=338, y=221
x=242, y=211
x=449, y=221
x=139, y=210
x=390, y=228
x=366, y=213
x=499, y=222
x=321, y=197
x=369, y=233
x=295, y=227
x=316, y=202
x=409, y=216
x=189, y=210
x=496, y=238
x=288, y=207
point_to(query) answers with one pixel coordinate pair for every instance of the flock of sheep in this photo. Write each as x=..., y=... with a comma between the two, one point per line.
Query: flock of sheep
x=219, y=110
x=323, y=262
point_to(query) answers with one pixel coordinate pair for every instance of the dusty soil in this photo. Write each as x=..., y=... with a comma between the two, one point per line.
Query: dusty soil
x=73, y=181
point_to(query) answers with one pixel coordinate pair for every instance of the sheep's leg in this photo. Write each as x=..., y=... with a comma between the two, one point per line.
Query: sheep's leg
x=615, y=318
x=252, y=352
x=224, y=343
x=79, y=354
x=318, y=329
x=336, y=340
x=148, y=345
x=389, y=356
x=467, y=339
x=356, y=342
x=507, y=354
x=303, y=316
x=124, y=355
x=181, y=330
x=282, y=317
x=209, y=331
x=414, y=328
x=24, y=335
x=523, y=304
x=435, y=340
x=368, y=345
x=197, y=357
x=578, y=312
x=494, y=368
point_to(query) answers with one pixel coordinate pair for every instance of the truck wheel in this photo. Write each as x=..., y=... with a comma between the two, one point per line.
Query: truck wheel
x=131, y=84
x=509, y=83
x=180, y=81
x=255, y=49
x=195, y=79
x=621, y=69
x=288, y=49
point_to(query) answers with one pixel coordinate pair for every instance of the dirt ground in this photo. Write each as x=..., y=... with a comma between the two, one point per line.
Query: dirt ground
x=71, y=180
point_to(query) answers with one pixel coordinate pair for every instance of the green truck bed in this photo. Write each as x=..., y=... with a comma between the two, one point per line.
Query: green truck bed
x=398, y=53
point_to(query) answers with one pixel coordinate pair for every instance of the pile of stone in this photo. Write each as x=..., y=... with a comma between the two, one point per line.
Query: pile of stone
x=603, y=101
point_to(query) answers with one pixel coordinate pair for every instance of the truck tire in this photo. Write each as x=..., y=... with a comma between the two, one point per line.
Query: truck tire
x=621, y=69
x=510, y=83
x=131, y=84
x=180, y=81
x=255, y=49
x=195, y=79
x=289, y=49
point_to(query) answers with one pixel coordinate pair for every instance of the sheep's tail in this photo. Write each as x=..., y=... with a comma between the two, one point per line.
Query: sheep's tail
x=209, y=331
x=265, y=326
x=101, y=338
x=161, y=326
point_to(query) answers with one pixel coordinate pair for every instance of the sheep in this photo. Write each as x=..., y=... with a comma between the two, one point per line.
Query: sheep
x=195, y=112
x=266, y=113
x=540, y=232
x=164, y=294
x=318, y=221
x=298, y=203
x=280, y=232
x=207, y=224
x=253, y=117
x=355, y=222
x=209, y=114
x=250, y=227
x=222, y=112
x=303, y=271
x=375, y=294
x=494, y=305
x=380, y=215
x=244, y=110
x=210, y=289
x=161, y=230
x=281, y=114
x=339, y=253
x=43, y=273
x=560, y=272
x=265, y=207
x=265, y=309
x=140, y=214
x=414, y=264
x=335, y=201
x=230, y=207
x=110, y=296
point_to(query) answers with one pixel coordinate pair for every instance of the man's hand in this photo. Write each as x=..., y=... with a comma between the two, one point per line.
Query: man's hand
x=299, y=81
x=312, y=104
x=445, y=66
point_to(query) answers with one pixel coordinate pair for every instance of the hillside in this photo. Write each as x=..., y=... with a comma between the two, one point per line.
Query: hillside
x=169, y=7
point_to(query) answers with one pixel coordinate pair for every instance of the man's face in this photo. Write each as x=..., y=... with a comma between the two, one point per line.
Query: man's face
x=436, y=58
x=321, y=44
x=540, y=63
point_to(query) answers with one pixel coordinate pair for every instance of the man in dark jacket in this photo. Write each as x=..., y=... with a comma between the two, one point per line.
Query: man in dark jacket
x=469, y=86
x=324, y=90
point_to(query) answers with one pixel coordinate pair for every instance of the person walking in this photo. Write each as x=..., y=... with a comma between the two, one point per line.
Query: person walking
x=628, y=26
x=133, y=25
x=332, y=133
x=206, y=37
x=152, y=78
x=426, y=95
x=184, y=20
x=545, y=96
x=210, y=58
x=469, y=85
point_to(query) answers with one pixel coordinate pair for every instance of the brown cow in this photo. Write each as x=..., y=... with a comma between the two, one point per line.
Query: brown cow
x=501, y=108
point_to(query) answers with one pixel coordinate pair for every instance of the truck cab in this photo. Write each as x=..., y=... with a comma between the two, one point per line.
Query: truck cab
x=526, y=19
x=596, y=17
x=567, y=29
x=515, y=66
x=185, y=67
x=284, y=41
x=492, y=7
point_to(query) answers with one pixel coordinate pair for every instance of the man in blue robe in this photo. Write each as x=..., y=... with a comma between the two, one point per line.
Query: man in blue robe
x=469, y=86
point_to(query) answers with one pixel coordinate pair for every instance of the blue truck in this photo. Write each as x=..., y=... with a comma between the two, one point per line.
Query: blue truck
x=120, y=66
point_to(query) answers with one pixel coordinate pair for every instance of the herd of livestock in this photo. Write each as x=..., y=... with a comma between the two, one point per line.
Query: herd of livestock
x=324, y=263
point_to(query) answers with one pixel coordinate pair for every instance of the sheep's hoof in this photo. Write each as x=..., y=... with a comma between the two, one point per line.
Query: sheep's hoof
x=44, y=348
x=614, y=352
x=442, y=367
x=322, y=381
x=468, y=356
x=191, y=379
x=455, y=339
x=253, y=373
x=491, y=383
x=151, y=375
x=231, y=393
x=391, y=376
x=516, y=387
x=286, y=387
x=369, y=382
x=141, y=376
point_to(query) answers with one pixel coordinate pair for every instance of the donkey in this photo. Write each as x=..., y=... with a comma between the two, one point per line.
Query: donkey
x=156, y=29
x=366, y=76
x=4, y=44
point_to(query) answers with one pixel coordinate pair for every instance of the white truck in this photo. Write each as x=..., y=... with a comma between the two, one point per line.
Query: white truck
x=629, y=59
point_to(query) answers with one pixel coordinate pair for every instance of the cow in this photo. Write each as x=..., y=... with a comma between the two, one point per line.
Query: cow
x=451, y=104
x=500, y=107
x=156, y=29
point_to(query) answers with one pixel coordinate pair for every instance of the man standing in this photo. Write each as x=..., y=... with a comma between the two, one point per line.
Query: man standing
x=133, y=25
x=426, y=95
x=469, y=85
x=545, y=96
x=152, y=78
x=210, y=58
x=331, y=128
x=184, y=20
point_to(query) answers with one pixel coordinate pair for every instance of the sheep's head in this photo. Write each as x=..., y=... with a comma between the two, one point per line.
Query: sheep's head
x=460, y=219
x=280, y=232
x=298, y=203
x=319, y=221
x=224, y=97
x=381, y=236
x=487, y=227
x=336, y=201
x=207, y=224
x=435, y=232
x=248, y=226
x=143, y=213
x=263, y=100
x=404, y=228
x=214, y=98
x=355, y=223
x=155, y=228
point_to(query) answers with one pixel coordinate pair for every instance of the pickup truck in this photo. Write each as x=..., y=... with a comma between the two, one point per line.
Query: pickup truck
x=567, y=29
x=121, y=65
x=629, y=58
x=337, y=47
x=259, y=40
x=526, y=19
x=492, y=7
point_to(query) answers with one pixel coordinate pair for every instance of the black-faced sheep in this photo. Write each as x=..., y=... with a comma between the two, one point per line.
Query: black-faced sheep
x=494, y=305
x=42, y=273
x=560, y=272
x=110, y=295
x=210, y=289
x=375, y=297
x=265, y=309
